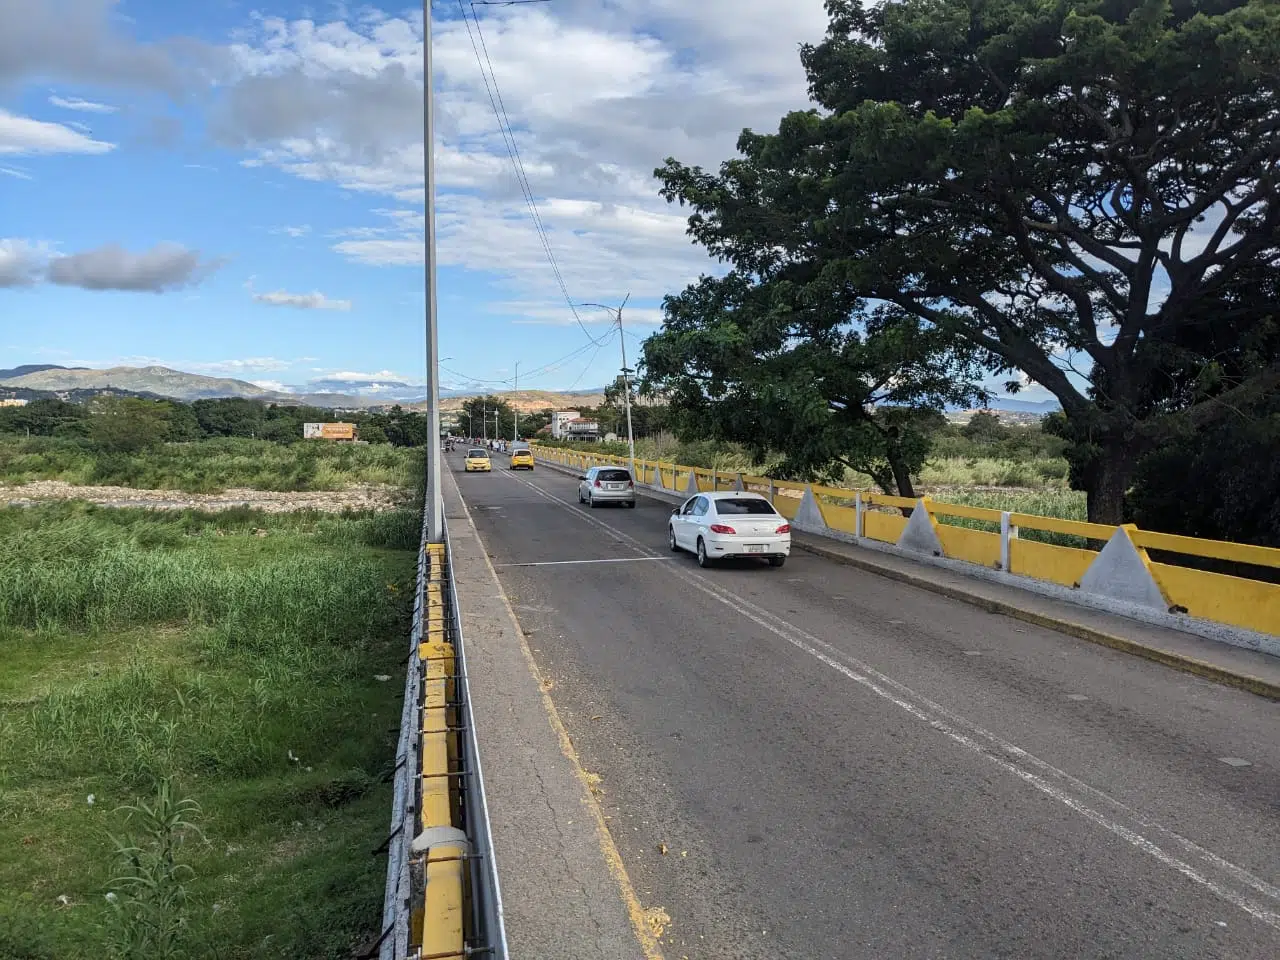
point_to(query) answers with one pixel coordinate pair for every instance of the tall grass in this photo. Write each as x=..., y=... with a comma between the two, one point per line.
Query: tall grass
x=239, y=652
x=209, y=466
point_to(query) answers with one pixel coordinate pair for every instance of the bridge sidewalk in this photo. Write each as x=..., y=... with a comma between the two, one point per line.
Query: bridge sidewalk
x=565, y=893
x=1211, y=659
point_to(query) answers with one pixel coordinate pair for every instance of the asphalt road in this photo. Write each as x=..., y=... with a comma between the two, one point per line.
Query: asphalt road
x=839, y=765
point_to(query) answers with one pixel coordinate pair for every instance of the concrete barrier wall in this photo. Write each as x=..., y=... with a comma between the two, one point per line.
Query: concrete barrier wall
x=1112, y=570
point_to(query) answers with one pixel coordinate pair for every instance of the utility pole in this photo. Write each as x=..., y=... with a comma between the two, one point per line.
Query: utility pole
x=484, y=417
x=626, y=383
x=435, y=494
x=515, y=431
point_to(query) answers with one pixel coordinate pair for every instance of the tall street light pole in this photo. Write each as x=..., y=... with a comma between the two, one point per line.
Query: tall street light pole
x=515, y=430
x=626, y=383
x=435, y=496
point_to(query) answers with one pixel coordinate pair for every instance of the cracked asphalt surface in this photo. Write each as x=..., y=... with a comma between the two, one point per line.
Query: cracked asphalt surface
x=819, y=762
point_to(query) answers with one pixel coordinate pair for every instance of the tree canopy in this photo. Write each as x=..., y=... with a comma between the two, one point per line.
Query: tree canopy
x=1080, y=195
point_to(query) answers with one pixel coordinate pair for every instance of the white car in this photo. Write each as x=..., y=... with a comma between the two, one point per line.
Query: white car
x=719, y=525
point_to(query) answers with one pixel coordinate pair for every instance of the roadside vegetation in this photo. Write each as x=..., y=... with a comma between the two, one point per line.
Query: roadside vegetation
x=207, y=466
x=983, y=463
x=195, y=717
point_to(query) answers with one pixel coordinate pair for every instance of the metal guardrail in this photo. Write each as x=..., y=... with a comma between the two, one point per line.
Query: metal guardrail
x=411, y=904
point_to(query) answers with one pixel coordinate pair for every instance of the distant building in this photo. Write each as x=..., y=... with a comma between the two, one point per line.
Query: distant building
x=582, y=429
x=13, y=402
x=558, y=421
x=329, y=431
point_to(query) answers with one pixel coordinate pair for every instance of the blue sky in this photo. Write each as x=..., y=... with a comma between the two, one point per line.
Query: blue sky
x=235, y=188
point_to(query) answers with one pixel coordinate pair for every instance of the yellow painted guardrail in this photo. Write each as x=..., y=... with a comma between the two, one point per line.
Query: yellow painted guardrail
x=437, y=923
x=1233, y=600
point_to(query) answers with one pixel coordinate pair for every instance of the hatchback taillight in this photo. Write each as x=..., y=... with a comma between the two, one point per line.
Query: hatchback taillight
x=597, y=483
x=785, y=528
x=721, y=528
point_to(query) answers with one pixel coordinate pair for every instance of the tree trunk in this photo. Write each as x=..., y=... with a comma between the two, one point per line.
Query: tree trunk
x=901, y=475
x=1109, y=479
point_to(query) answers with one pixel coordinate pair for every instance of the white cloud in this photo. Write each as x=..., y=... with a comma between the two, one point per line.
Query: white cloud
x=15, y=172
x=356, y=376
x=82, y=41
x=295, y=232
x=166, y=266
x=21, y=262
x=82, y=106
x=598, y=97
x=23, y=135
x=275, y=385
x=303, y=301
x=246, y=365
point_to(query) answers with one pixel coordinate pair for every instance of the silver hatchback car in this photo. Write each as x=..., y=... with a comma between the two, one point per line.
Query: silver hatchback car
x=607, y=485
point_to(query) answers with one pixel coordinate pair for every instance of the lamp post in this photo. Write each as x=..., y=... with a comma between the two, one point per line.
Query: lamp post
x=435, y=498
x=626, y=383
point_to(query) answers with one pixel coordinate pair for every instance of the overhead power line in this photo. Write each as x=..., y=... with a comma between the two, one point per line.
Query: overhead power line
x=513, y=150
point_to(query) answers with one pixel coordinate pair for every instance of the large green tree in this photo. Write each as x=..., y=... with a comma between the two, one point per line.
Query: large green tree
x=796, y=366
x=1084, y=192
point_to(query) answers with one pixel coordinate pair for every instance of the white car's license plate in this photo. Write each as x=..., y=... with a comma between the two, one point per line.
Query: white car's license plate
x=755, y=548
x=615, y=486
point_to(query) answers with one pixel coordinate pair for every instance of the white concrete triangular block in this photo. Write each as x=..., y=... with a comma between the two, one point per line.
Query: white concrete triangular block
x=1119, y=572
x=691, y=484
x=738, y=484
x=657, y=478
x=919, y=536
x=809, y=517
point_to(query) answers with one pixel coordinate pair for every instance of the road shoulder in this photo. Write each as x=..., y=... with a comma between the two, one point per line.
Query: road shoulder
x=566, y=893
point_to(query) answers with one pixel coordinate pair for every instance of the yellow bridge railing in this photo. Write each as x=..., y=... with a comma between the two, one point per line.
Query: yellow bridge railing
x=1237, y=601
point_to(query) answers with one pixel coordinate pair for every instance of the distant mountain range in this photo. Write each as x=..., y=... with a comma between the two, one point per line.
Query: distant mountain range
x=341, y=394
x=26, y=368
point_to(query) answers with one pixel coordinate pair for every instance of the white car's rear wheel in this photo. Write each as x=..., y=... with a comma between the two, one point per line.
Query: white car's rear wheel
x=703, y=559
x=671, y=540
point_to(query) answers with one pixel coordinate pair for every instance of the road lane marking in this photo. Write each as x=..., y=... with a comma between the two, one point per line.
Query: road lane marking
x=947, y=722
x=559, y=563
x=1235, y=762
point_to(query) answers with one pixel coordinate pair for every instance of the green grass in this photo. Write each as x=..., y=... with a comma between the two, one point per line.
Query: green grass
x=1033, y=473
x=212, y=649
x=1058, y=502
x=209, y=466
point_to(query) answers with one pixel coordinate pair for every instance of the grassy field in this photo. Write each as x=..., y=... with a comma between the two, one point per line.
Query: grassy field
x=209, y=466
x=245, y=664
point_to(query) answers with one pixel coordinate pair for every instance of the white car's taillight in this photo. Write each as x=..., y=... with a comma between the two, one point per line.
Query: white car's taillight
x=785, y=528
x=721, y=528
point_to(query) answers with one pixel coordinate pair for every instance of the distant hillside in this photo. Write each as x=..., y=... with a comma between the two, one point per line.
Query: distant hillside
x=526, y=401
x=158, y=380
x=166, y=382
x=32, y=368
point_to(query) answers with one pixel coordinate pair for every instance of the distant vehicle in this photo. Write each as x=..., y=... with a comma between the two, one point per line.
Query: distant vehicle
x=522, y=460
x=607, y=485
x=719, y=525
x=477, y=460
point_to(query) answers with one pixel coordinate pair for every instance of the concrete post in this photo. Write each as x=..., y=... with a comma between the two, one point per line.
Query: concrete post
x=1007, y=532
x=858, y=514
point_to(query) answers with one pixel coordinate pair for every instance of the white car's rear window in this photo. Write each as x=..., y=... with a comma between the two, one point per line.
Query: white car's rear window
x=745, y=506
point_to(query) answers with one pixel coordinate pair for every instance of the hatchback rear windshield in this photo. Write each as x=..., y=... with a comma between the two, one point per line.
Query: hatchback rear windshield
x=748, y=505
x=477, y=453
x=614, y=475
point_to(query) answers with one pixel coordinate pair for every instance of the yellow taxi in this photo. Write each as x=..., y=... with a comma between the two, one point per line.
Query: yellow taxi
x=477, y=459
x=522, y=460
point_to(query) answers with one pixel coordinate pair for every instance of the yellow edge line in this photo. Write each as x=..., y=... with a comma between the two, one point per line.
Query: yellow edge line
x=1206, y=671
x=612, y=857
